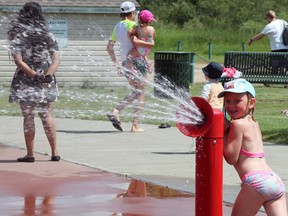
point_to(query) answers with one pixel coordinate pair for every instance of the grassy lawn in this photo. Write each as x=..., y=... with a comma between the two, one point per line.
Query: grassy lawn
x=94, y=104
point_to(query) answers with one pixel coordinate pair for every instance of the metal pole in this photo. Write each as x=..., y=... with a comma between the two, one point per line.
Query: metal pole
x=243, y=46
x=179, y=46
x=191, y=77
x=209, y=50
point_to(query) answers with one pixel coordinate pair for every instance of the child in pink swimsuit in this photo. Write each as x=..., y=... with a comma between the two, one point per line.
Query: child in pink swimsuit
x=243, y=148
x=145, y=32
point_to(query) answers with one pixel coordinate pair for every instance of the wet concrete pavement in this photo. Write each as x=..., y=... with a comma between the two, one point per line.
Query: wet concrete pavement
x=64, y=188
x=100, y=168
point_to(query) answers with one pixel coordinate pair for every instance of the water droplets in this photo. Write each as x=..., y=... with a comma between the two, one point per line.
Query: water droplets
x=97, y=104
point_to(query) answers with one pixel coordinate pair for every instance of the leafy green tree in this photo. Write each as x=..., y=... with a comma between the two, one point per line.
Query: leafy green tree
x=180, y=12
x=214, y=14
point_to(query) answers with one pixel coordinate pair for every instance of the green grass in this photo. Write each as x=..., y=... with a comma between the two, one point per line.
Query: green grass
x=271, y=102
x=197, y=40
x=93, y=104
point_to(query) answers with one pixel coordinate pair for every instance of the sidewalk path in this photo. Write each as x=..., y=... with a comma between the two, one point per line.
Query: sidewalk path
x=160, y=156
x=63, y=188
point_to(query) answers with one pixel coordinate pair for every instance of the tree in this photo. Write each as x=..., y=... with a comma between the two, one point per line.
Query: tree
x=180, y=12
x=213, y=14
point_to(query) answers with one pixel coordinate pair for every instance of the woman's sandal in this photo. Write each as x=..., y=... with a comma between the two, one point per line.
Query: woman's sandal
x=164, y=125
x=26, y=159
x=115, y=122
x=55, y=158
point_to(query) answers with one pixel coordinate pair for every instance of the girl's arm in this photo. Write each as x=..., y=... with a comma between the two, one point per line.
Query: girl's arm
x=142, y=43
x=146, y=44
x=233, y=142
x=154, y=34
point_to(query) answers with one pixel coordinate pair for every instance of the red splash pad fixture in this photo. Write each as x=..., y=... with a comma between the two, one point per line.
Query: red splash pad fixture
x=209, y=156
x=191, y=129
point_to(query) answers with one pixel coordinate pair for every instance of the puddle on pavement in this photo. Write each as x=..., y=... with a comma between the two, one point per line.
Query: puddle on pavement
x=138, y=188
x=102, y=196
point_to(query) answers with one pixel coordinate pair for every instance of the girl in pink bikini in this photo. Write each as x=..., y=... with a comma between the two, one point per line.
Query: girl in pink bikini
x=145, y=32
x=243, y=148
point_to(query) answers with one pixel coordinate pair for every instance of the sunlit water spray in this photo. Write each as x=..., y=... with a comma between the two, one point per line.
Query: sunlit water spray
x=161, y=109
x=178, y=100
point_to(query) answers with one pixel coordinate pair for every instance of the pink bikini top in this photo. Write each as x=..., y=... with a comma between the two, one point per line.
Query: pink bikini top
x=251, y=155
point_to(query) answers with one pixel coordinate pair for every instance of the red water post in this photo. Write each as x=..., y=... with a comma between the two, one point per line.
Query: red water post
x=209, y=169
x=209, y=156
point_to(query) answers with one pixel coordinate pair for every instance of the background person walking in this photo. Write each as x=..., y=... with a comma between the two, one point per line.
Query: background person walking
x=135, y=78
x=273, y=30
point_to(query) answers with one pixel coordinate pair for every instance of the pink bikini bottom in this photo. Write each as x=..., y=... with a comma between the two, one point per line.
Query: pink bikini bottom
x=267, y=183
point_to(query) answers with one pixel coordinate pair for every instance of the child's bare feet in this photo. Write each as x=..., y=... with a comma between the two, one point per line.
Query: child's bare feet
x=135, y=128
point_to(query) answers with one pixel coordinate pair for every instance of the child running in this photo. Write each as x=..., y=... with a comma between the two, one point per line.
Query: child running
x=145, y=32
x=243, y=148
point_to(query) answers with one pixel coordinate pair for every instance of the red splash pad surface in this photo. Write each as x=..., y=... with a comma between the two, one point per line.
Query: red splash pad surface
x=62, y=188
